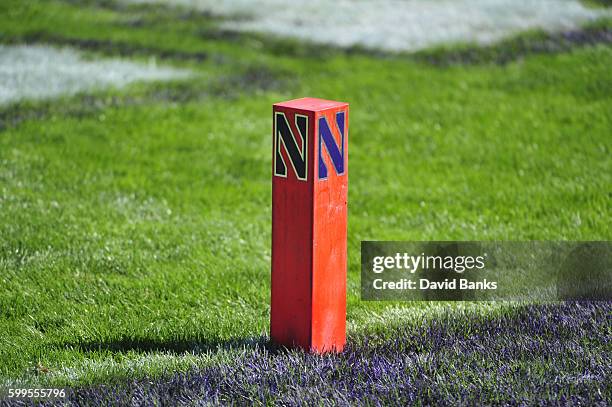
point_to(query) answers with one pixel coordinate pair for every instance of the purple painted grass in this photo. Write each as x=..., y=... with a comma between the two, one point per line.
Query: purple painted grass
x=547, y=354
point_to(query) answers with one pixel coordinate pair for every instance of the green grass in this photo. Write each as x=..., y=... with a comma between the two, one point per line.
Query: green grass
x=598, y=3
x=135, y=224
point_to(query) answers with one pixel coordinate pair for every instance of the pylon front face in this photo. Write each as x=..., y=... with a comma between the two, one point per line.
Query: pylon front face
x=309, y=224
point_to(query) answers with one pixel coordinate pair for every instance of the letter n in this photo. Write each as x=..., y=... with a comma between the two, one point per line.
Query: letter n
x=335, y=153
x=297, y=152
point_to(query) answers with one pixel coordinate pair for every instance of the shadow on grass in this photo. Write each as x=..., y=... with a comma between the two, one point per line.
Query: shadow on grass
x=418, y=335
x=529, y=355
x=149, y=345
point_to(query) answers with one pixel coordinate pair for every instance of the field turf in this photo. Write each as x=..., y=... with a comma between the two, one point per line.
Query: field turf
x=135, y=223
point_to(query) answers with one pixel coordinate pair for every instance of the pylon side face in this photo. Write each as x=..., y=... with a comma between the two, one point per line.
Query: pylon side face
x=292, y=236
x=330, y=231
x=309, y=218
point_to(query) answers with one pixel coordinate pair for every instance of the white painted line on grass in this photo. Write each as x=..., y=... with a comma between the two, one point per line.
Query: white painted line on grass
x=396, y=25
x=39, y=71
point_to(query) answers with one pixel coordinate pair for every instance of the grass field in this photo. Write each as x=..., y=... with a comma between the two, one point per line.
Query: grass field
x=135, y=223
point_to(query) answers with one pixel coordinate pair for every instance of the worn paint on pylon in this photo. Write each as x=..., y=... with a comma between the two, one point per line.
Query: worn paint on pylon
x=309, y=224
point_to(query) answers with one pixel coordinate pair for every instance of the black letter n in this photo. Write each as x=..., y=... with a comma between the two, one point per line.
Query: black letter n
x=284, y=135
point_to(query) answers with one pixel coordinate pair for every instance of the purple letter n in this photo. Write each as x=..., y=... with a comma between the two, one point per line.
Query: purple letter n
x=335, y=153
